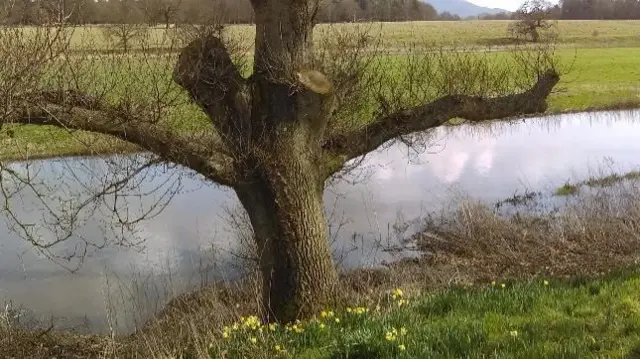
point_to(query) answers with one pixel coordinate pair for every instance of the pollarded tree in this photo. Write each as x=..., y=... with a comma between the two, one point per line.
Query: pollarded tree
x=301, y=117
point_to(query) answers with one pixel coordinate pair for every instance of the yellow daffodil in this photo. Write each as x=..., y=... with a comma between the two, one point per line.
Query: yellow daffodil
x=397, y=293
x=226, y=332
x=401, y=347
x=360, y=310
x=298, y=329
x=251, y=322
x=546, y=282
x=325, y=314
x=514, y=333
x=253, y=340
x=391, y=335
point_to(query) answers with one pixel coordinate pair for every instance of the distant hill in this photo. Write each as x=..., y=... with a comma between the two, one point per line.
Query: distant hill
x=461, y=8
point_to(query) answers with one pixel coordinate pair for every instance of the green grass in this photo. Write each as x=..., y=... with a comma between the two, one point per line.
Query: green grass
x=611, y=179
x=567, y=190
x=599, y=78
x=570, y=189
x=576, y=318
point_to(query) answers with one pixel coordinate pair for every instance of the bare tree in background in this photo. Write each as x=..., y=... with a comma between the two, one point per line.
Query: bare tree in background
x=124, y=35
x=56, y=11
x=164, y=11
x=308, y=111
x=126, y=31
x=170, y=9
x=532, y=20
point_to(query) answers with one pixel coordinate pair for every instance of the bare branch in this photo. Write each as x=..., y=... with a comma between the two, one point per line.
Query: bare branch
x=438, y=112
x=76, y=111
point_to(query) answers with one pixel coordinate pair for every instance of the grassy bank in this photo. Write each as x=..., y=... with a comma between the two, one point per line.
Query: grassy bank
x=578, y=318
x=581, y=317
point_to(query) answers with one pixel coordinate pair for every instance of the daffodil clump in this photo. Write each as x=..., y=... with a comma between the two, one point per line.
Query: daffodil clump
x=250, y=335
x=398, y=297
x=396, y=336
x=338, y=331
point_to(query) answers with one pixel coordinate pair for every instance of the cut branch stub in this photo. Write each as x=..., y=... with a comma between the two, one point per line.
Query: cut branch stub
x=315, y=102
x=315, y=81
x=207, y=72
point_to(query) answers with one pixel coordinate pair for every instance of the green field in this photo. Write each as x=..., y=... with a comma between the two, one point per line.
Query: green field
x=602, y=59
x=577, y=318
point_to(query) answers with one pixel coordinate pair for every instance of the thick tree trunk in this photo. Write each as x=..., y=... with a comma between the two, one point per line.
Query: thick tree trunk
x=284, y=199
x=286, y=212
x=283, y=35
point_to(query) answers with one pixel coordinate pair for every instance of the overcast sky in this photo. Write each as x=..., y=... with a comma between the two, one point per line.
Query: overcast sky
x=502, y=4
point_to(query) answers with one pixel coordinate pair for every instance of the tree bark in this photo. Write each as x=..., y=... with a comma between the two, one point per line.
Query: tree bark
x=287, y=215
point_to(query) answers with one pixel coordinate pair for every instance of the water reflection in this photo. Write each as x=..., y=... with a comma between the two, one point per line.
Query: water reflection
x=488, y=162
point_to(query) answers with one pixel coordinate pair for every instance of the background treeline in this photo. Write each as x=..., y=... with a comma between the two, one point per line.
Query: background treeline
x=156, y=12
x=601, y=9
x=585, y=10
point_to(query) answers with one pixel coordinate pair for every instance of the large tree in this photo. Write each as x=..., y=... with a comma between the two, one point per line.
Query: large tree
x=303, y=115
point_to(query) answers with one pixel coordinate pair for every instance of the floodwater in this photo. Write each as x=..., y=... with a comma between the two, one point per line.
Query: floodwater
x=188, y=242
